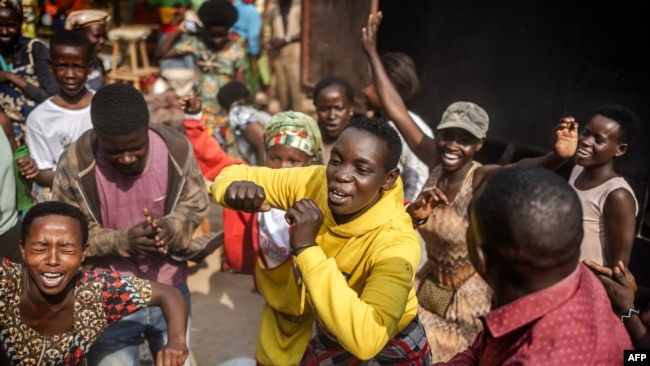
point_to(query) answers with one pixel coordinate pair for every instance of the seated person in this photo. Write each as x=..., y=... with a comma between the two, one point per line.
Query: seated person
x=48, y=304
x=525, y=228
x=245, y=122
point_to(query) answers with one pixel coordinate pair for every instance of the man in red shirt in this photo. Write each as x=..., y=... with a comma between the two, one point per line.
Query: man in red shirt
x=525, y=229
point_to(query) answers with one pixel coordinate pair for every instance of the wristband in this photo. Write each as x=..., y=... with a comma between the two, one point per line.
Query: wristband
x=300, y=247
x=287, y=39
x=629, y=314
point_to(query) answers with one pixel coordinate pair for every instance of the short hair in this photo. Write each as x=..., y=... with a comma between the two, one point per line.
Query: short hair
x=69, y=38
x=626, y=119
x=231, y=93
x=530, y=216
x=334, y=81
x=217, y=13
x=118, y=109
x=402, y=73
x=55, y=208
x=381, y=129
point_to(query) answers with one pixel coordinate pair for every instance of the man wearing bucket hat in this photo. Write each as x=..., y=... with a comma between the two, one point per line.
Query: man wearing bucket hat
x=450, y=294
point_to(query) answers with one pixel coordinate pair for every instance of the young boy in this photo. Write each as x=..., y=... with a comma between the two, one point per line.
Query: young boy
x=608, y=203
x=548, y=309
x=61, y=119
x=245, y=122
x=354, y=244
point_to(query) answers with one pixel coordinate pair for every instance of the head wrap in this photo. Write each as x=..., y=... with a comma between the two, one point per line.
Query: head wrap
x=85, y=18
x=297, y=130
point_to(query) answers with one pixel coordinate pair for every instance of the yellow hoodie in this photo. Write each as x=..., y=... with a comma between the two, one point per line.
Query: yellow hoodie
x=360, y=277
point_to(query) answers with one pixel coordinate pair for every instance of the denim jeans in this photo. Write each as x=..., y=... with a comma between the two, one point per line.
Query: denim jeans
x=119, y=345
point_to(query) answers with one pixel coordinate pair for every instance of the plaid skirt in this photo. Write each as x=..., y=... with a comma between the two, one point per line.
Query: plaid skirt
x=409, y=347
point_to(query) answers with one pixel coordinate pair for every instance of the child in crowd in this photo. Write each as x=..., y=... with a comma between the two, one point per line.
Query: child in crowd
x=218, y=58
x=92, y=24
x=245, y=122
x=292, y=139
x=450, y=294
x=548, y=308
x=49, y=304
x=333, y=99
x=401, y=72
x=61, y=119
x=353, y=243
x=608, y=203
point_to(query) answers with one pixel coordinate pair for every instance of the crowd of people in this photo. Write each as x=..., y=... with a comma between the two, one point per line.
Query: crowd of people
x=333, y=207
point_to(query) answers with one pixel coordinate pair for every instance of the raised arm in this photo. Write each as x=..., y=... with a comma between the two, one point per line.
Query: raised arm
x=166, y=48
x=423, y=146
x=565, y=144
x=174, y=311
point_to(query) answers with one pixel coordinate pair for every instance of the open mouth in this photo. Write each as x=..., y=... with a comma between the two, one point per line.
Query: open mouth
x=583, y=153
x=450, y=158
x=52, y=279
x=338, y=197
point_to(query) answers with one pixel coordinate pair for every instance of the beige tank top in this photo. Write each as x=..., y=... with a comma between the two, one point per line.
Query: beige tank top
x=593, y=223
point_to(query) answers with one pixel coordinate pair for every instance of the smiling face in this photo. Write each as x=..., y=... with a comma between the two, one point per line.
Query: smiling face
x=334, y=111
x=52, y=252
x=284, y=156
x=127, y=153
x=10, y=27
x=599, y=142
x=70, y=66
x=456, y=147
x=356, y=174
x=96, y=35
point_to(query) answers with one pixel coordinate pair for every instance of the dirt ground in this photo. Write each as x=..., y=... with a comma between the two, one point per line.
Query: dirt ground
x=226, y=310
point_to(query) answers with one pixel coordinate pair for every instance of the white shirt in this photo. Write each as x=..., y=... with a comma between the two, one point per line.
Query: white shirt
x=414, y=172
x=51, y=128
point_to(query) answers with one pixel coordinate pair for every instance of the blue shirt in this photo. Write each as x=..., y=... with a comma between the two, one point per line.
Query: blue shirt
x=248, y=25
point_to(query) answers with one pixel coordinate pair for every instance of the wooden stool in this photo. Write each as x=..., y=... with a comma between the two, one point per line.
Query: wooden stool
x=132, y=72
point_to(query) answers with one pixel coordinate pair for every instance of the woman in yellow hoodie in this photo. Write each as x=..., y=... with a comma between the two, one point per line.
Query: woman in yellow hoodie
x=353, y=243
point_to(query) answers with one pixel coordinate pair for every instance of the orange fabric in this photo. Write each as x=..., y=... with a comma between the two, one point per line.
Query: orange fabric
x=240, y=241
x=240, y=233
x=208, y=152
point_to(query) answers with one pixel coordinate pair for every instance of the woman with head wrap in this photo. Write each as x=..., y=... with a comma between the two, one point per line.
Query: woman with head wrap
x=92, y=24
x=25, y=78
x=292, y=139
